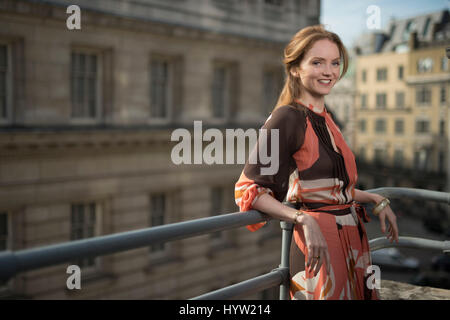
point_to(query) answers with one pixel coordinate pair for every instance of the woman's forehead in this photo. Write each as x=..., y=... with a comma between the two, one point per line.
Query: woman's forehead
x=325, y=49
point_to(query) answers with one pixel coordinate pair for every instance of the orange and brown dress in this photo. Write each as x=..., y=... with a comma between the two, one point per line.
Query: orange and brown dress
x=317, y=173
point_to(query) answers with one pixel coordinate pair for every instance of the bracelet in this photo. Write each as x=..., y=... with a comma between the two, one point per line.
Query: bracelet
x=297, y=214
x=380, y=206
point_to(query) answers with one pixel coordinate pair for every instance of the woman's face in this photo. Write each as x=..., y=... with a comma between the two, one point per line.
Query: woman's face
x=320, y=68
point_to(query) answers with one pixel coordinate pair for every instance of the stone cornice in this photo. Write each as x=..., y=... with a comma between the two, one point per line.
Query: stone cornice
x=92, y=17
x=72, y=139
x=432, y=78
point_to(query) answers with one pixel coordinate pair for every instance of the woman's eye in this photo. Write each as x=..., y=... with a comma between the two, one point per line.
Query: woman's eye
x=336, y=63
x=316, y=63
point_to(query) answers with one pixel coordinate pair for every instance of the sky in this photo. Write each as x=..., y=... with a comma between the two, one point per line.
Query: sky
x=348, y=18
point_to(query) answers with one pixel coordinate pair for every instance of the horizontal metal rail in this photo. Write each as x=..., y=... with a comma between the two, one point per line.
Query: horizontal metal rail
x=410, y=242
x=13, y=262
x=269, y=280
x=245, y=288
x=416, y=194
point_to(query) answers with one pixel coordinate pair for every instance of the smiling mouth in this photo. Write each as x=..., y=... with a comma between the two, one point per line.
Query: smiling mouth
x=325, y=81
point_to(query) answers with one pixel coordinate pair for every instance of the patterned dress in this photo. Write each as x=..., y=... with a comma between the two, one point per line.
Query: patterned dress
x=317, y=174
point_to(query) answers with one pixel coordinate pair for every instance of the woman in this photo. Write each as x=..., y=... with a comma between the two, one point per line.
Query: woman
x=317, y=174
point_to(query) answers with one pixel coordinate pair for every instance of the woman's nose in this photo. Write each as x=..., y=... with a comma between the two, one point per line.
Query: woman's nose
x=327, y=70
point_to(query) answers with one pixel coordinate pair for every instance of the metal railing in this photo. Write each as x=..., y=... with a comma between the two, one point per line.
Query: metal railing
x=12, y=262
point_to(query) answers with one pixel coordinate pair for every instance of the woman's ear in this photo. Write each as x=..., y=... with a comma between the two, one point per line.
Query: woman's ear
x=294, y=72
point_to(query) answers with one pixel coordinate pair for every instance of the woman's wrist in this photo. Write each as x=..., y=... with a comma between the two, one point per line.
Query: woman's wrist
x=295, y=216
x=376, y=199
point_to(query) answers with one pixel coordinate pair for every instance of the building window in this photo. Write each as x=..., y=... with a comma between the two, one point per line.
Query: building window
x=382, y=74
x=224, y=89
x=399, y=100
x=441, y=162
x=423, y=95
x=85, y=224
x=85, y=88
x=272, y=85
x=5, y=242
x=4, y=231
x=424, y=65
x=380, y=125
x=166, y=86
x=217, y=207
x=220, y=91
x=362, y=125
x=442, y=95
x=364, y=101
x=160, y=87
x=422, y=126
x=398, y=158
x=442, y=128
x=5, y=83
x=381, y=100
x=364, y=76
x=163, y=209
x=420, y=159
x=158, y=209
x=444, y=63
x=399, y=126
x=400, y=72
x=379, y=156
x=221, y=203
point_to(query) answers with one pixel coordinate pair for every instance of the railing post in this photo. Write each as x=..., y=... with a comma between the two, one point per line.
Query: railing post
x=286, y=238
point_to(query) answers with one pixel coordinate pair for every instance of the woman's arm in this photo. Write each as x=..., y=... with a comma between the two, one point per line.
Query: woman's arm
x=387, y=213
x=274, y=208
x=365, y=197
x=317, y=248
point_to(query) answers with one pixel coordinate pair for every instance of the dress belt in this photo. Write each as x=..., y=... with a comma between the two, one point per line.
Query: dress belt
x=336, y=209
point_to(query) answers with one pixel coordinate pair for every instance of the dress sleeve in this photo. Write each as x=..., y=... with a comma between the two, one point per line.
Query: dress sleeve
x=260, y=175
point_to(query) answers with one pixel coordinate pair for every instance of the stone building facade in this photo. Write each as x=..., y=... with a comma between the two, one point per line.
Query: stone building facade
x=85, y=136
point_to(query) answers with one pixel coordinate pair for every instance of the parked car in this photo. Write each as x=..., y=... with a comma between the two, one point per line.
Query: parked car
x=392, y=257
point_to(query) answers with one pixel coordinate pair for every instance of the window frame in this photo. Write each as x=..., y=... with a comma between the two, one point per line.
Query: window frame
x=399, y=130
x=423, y=95
x=276, y=74
x=9, y=84
x=381, y=97
x=99, y=99
x=382, y=74
x=378, y=121
x=98, y=229
x=169, y=251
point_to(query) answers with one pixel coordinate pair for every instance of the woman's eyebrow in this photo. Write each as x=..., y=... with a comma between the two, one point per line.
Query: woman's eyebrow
x=320, y=58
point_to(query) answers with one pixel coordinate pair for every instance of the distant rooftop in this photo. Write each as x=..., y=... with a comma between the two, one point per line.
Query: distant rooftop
x=430, y=28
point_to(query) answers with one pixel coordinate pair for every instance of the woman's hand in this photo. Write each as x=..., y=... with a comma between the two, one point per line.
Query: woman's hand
x=316, y=245
x=388, y=214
